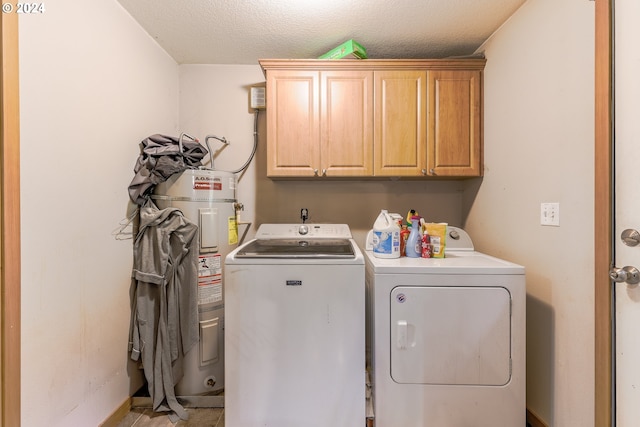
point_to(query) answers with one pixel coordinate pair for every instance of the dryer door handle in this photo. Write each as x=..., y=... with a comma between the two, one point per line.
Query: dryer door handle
x=402, y=334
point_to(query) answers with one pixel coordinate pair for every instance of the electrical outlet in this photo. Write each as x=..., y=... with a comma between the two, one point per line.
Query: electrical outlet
x=550, y=214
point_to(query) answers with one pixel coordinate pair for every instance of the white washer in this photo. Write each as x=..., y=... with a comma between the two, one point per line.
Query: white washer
x=446, y=338
x=295, y=328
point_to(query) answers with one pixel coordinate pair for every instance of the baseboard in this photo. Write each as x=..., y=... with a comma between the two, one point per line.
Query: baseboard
x=117, y=415
x=533, y=420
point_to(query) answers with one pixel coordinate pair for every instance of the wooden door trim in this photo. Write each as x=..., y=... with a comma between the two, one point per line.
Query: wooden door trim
x=604, y=405
x=10, y=223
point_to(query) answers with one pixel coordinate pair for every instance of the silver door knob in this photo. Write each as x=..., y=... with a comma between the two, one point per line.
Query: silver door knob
x=628, y=274
x=630, y=237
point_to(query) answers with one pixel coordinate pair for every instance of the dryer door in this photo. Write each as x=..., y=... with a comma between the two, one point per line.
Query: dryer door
x=451, y=335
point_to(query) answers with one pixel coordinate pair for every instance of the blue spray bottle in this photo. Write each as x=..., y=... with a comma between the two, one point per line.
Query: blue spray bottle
x=414, y=241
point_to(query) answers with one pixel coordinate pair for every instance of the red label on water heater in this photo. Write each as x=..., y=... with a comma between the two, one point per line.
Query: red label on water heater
x=198, y=185
x=206, y=183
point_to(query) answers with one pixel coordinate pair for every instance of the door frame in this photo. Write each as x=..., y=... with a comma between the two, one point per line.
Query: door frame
x=603, y=216
x=10, y=223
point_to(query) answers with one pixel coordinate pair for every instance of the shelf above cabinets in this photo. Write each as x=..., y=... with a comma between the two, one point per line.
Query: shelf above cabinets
x=374, y=118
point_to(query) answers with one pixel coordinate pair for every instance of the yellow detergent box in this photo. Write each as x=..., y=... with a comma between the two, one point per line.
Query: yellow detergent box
x=438, y=237
x=350, y=48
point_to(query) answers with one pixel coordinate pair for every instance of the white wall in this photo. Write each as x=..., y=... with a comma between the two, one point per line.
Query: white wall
x=539, y=120
x=92, y=85
x=214, y=100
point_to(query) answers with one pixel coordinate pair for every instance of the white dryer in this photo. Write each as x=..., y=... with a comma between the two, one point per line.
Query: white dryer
x=446, y=339
x=295, y=329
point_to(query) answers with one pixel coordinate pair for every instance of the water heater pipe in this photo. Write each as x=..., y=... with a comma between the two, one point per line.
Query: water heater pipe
x=206, y=141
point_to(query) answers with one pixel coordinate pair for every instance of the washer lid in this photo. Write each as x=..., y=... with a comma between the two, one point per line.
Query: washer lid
x=297, y=248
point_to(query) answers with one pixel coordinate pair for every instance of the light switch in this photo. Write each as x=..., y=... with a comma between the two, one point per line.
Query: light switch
x=550, y=214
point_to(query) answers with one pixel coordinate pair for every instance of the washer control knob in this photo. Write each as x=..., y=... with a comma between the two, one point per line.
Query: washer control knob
x=454, y=235
x=303, y=229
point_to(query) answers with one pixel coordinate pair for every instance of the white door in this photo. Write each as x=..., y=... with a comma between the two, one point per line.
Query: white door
x=451, y=335
x=627, y=205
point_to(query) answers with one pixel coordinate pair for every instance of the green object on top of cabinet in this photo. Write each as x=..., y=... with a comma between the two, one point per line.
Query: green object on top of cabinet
x=350, y=48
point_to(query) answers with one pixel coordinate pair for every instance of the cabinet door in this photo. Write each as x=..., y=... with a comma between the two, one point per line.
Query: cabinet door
x=455, y=135
x=400, y=123
x=346, y=123
x=293, y=128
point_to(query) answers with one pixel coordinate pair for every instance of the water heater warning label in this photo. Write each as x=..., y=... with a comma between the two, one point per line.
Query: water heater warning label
x=233, y=230
x=209, y=278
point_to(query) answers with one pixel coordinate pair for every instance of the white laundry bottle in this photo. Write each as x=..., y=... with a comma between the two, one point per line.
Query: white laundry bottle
x=386, y=236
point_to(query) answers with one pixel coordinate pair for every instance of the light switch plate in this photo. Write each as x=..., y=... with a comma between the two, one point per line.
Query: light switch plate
x=550, y=214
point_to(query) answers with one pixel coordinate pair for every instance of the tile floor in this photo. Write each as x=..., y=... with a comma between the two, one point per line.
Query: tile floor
x=198, y=417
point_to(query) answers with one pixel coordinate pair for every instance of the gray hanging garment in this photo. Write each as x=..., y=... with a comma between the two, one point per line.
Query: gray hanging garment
x=160, y=157
x=164, y=314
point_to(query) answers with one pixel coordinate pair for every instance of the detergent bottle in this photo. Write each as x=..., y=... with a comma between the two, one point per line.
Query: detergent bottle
x=386, y=236
x=404, y=235
x=414, y=241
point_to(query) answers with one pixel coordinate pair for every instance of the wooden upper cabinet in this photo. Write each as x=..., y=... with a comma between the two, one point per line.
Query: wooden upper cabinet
x=346, y=123
x=368, y=118
x=293, y=123
x=319, y=123
x=454, y=123
x=400, y=123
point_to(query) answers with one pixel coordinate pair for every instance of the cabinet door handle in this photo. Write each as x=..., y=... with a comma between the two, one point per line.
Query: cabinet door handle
x=432, y=171
x=424, y=171
x=315, y=172
x=324, y=172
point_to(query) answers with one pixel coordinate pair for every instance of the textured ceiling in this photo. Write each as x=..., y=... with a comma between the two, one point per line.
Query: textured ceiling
x=243, y=31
